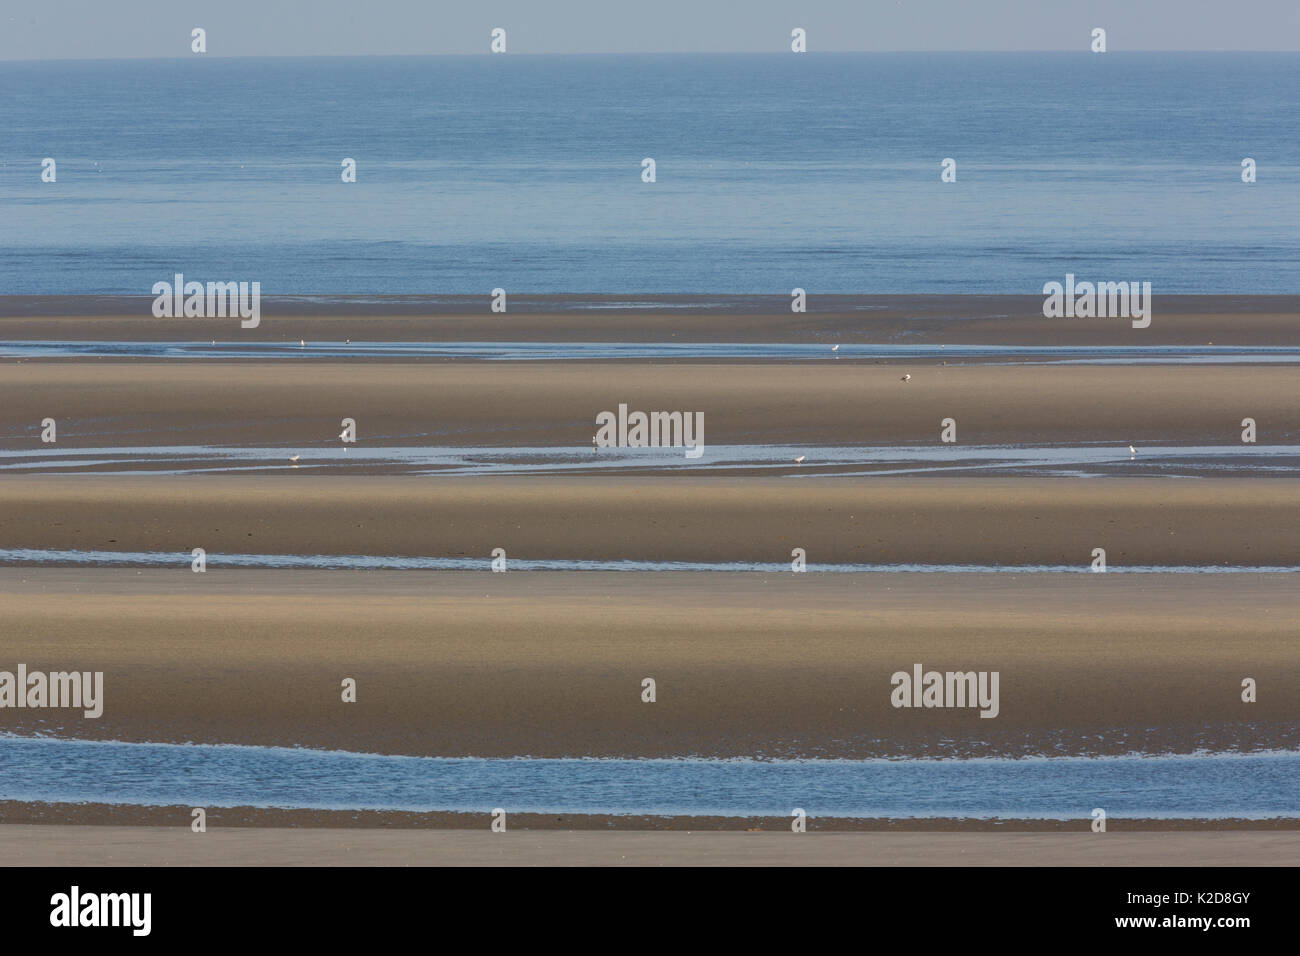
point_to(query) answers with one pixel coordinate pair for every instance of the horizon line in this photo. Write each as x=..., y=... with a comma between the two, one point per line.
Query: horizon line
x=597, y=53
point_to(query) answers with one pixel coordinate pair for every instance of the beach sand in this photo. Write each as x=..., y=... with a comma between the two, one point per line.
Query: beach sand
x=15, y=813
x=300, y=405
x=177, y=846
x=899, y=319
x=550, y=663
x=1252, y=521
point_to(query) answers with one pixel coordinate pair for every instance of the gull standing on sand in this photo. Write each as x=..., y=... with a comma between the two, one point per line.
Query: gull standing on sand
x=906, y=378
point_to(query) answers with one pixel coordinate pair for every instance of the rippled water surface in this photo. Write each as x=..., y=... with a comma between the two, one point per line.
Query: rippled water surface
x=823, y=460
x=1202, y=786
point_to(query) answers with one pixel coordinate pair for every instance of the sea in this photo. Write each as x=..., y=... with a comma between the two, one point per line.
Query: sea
x=819, y=171
x=1199, y=786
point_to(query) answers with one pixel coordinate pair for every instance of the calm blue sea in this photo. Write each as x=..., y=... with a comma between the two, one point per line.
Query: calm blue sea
x=774, y=171
x=1206, y=786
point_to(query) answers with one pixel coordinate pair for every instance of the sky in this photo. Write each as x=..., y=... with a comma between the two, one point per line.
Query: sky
x=115, y=29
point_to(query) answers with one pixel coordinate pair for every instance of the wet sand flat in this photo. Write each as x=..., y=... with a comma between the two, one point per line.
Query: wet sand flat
x=991, y=319
x=551, y=664
x=875, y=520
x=300, y=406
x=23, y=813
x=176, y=846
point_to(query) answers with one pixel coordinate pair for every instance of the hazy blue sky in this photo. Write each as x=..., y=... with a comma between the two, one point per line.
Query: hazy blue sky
x=44, y=29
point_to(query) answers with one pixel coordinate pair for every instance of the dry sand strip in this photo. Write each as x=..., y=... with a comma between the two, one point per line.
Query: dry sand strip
x=551, y=664
x=982, y=521
x=556, y=404
x=915, y=319
x=177, y=846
